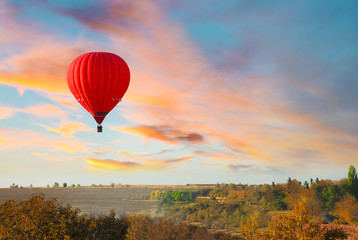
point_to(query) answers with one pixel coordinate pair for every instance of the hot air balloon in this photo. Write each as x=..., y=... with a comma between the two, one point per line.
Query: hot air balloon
x=98, y=80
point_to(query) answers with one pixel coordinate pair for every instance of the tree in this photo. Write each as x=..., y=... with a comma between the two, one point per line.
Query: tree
x=250, y=228
x=352, y=175
x=64, y=184
x=56, y=184
x=353, y=181
x=295, y=226
x=347, y=210
x=38, y=218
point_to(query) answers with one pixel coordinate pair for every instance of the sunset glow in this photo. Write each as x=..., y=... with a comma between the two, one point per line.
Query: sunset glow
x=229, y=91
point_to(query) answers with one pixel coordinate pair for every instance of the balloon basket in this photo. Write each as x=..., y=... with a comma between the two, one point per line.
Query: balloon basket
x=99, y=128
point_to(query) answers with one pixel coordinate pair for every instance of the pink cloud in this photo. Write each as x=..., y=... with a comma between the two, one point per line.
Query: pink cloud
x=6, y=112
x=35, y=59
x=12, y=140
x=39, y=111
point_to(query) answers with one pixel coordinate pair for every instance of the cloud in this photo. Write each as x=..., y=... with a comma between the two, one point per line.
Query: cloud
x=73, y=147
x=38, y=111
x=179, y=94
x=219, y=155
x=6, y=112
x=38, y=142
x=123, y=152
x=135, y=165
x=67, y=129
x=39, y=154
x=45, y=111
x=236, y=167
x=124, y=18
x=230, y=166
x=164, y=133
x=102, y=150
x=111, y=165
x=62, y=99
x=42, y=68
x=39, y=63
x=250, y=112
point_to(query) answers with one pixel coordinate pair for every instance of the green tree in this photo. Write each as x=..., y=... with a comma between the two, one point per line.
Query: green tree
x=353, y=181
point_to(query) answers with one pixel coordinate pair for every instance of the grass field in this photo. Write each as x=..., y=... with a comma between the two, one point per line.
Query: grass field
x=88, y=199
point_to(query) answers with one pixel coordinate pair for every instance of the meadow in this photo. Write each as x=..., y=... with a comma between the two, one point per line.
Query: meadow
x=95, y=200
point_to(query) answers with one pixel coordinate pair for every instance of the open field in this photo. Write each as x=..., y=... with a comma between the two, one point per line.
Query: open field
x=88, y=199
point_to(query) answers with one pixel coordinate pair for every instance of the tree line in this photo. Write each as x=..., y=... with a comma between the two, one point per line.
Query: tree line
x=232, y=206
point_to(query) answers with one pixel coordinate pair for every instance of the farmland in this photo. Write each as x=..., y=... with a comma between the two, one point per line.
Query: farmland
x=89, y=199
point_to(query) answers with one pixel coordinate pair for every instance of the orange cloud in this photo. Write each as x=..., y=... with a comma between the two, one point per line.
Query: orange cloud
x=43, y=68
x=163, y=133
x=144, y=165
x=111, y=165
x=44, y=58
x=73, y=147
x=103, y=150
x=38, y=154
x=123, y=152
x=67, y=129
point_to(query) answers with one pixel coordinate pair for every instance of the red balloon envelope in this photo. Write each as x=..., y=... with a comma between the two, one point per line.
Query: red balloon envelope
x=98, y=80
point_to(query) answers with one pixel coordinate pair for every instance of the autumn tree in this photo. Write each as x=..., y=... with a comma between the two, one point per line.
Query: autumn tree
x=347, y=210
x=296, y=226
x=35, y=218
x=38, y=218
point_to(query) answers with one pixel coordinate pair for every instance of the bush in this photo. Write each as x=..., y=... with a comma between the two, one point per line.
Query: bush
x=336, y=233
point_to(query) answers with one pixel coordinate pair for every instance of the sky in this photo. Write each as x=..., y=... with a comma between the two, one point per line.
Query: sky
x=221, y=92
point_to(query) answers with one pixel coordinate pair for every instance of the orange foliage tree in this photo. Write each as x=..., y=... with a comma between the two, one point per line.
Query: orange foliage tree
x=38, y=218
x=347, y=210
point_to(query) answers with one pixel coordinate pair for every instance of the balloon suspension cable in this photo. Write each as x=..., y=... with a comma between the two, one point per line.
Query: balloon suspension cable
x=99, y=128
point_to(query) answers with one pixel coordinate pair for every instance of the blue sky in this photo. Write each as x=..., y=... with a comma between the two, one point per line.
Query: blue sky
x=226, y=91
